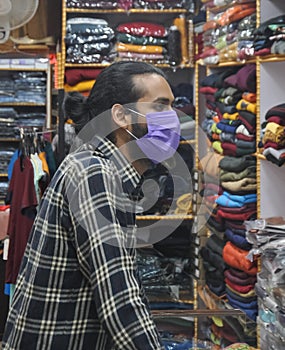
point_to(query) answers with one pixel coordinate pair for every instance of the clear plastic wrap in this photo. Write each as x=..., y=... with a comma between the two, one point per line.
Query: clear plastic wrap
x=164, y=4
x=91, y=4
x=89, y=40
x=143, y=29
x=165, y=280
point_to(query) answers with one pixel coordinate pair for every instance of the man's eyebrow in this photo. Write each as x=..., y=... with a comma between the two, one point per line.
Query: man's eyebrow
x=162, y=100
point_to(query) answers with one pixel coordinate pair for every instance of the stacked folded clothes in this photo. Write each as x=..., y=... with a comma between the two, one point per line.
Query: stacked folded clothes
x=228, y=35
x=142, y=41
x=8, y=126
x=80, y=79
x=31, y=119
x=273, y=139
x=198, y=23
x=166, y=280
x=5, y=157
x=269, y=37
x=230, y=122
x=236, y=204
x=89, y=40
x=7, y=89
x=226, y=331
x=211, y=252
x=230, y=125
x=246, y=28
x=3, y=190
x=23, y=87
x=213, y=263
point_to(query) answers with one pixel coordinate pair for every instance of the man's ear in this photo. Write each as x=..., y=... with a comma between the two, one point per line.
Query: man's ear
x=119, y=116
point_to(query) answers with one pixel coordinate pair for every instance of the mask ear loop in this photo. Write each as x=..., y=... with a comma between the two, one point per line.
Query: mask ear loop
x=130, y=133
x=138, y=113
x=132, y=110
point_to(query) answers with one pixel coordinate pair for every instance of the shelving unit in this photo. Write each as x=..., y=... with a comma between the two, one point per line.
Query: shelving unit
x=270, y=92
x=12, y=66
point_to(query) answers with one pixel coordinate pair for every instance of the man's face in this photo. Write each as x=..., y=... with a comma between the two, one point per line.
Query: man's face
x=157, y=98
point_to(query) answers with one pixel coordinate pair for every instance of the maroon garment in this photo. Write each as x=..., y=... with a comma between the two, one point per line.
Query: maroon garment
x=277, y=120
x=243, y=215
x=273, y=145
x=22, y=198
x=238, y=273
x=237, y=210
x=74, y=76
x=143, y=29
x=263, y=52
x=208, y=90
x=243, y=137
x=240, y=281
x=240, y=289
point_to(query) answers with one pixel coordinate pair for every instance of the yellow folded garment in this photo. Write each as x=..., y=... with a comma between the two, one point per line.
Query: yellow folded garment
x=274, y=128
x=180, y=23
x=229, y=53
x=246, y=106
x=217, y=146
x=233, y=116
x=121, y=47
x=184, y=204
x=215, y=129
x=82, y=86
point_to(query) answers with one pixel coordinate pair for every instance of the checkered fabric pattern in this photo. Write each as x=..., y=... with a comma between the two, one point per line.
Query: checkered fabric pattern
x=78, y=286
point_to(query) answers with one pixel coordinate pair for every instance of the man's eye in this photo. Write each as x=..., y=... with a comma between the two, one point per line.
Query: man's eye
x=161, y=107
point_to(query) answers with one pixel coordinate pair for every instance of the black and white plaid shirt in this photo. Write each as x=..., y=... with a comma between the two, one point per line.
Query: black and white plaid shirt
x=78, y=286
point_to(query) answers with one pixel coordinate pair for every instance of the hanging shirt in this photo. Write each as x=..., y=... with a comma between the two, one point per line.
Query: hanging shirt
x=38, y=173
x=22, y=198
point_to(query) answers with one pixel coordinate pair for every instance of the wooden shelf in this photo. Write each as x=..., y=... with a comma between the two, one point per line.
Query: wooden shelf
x=127, y=12
x=104, y=65
x=197, y=312
x=261, y=59
x=22, y=104
x=271, y=58
x=186, y=142
x=3, y=175
x=259, y=156
x=165, y=217
x=9, y=139
x=23, y=69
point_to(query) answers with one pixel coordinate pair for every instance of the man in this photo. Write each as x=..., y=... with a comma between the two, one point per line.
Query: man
x=78, y=286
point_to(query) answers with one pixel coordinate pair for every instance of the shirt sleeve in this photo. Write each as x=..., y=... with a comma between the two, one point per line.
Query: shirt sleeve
x=98, y=208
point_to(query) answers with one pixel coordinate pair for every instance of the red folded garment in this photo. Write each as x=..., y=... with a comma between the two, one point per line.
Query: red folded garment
x=143, y=29
x=243, y=137
x=276, y=119
x=239, y=288
x=237, y=258
x=74, y=76
x=241, y=216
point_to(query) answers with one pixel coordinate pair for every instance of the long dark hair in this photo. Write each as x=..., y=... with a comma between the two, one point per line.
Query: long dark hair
x=115, y=84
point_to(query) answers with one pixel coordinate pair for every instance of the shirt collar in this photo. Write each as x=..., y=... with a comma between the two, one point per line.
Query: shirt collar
x=130, y=177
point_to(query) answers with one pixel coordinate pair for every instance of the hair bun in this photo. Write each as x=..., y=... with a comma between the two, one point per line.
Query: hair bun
x=76, y=108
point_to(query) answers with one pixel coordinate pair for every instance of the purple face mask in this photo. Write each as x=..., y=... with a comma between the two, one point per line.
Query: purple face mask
x=163, y=136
